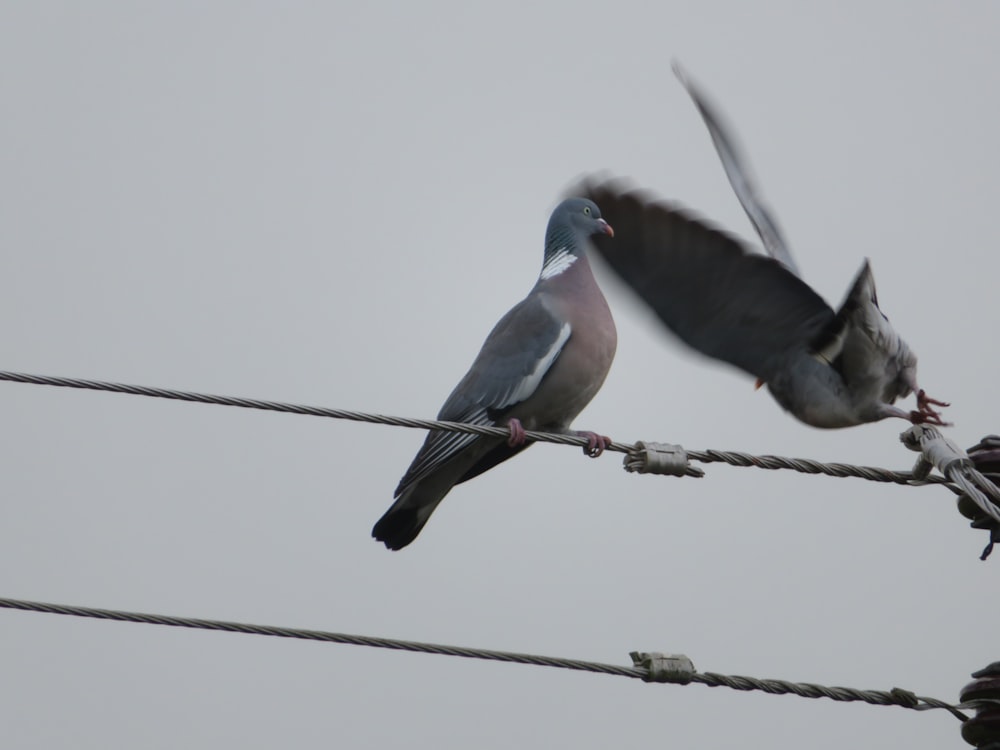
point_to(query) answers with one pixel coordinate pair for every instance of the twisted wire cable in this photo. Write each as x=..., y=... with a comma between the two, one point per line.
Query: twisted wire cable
x=732, y=458
x=894, y=697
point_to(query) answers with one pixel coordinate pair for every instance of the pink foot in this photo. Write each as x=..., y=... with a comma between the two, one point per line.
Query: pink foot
x=517, y=436
x=923, y=417
x=596, y=444
x=926, y=413
x=924, y=401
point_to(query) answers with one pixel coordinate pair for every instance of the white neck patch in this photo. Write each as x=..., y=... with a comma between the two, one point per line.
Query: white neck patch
x=558, y=262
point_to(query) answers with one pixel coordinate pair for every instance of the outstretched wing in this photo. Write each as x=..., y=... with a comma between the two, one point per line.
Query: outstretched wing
x=740, y=176
x=728, y=303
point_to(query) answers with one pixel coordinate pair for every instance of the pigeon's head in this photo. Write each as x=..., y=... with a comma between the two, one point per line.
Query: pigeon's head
x=581, y=216
x=573, y=222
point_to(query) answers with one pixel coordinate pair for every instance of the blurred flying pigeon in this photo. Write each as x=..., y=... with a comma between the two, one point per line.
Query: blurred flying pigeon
x=829, y=369
x=540, y=366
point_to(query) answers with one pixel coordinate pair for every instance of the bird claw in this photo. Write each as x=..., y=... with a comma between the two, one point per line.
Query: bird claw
x=926, y=413
x=924, y=401
x=596, y=444
x=517, y=436
x=922, y=417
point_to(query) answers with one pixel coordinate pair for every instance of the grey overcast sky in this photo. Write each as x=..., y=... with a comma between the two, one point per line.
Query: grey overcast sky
x=332, y=204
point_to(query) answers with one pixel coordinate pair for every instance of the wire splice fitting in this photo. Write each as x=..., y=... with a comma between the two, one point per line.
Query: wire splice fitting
x=647, y=457
x=675, y=668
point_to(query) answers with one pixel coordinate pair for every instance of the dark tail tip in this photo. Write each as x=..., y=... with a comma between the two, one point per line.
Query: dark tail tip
x=397, y=528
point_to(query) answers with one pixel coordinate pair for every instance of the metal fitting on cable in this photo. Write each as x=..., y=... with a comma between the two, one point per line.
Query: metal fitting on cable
x=660, y=458
x=936, y=451
x=675, y=668
x=973, y=472
x=983, y=730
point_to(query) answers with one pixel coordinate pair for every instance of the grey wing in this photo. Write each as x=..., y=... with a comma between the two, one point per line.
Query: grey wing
x=515, y=358
x=740, y=176
x=742, y=308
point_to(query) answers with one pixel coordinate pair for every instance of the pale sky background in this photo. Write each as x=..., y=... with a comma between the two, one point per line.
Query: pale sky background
x=332, y=205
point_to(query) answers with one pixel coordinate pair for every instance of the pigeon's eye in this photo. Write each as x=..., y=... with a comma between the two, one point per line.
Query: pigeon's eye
x=586, y=210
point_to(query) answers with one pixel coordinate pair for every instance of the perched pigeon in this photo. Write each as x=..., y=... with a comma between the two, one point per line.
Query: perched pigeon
x=539, y=368
x=829, y=369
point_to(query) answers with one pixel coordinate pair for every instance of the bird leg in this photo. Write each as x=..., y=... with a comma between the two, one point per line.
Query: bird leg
x=596, y=444
x=517, y=436
x=926, y=413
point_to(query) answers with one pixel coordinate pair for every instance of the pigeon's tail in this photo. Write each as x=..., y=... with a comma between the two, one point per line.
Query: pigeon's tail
x=404, y=520
x=444, y=460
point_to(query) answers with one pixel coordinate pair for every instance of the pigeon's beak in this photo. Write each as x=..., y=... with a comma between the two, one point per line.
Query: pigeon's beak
x=605, y=227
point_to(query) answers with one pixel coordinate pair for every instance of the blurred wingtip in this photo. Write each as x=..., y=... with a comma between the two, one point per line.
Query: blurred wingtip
x=586, y=183
x=679, y=70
